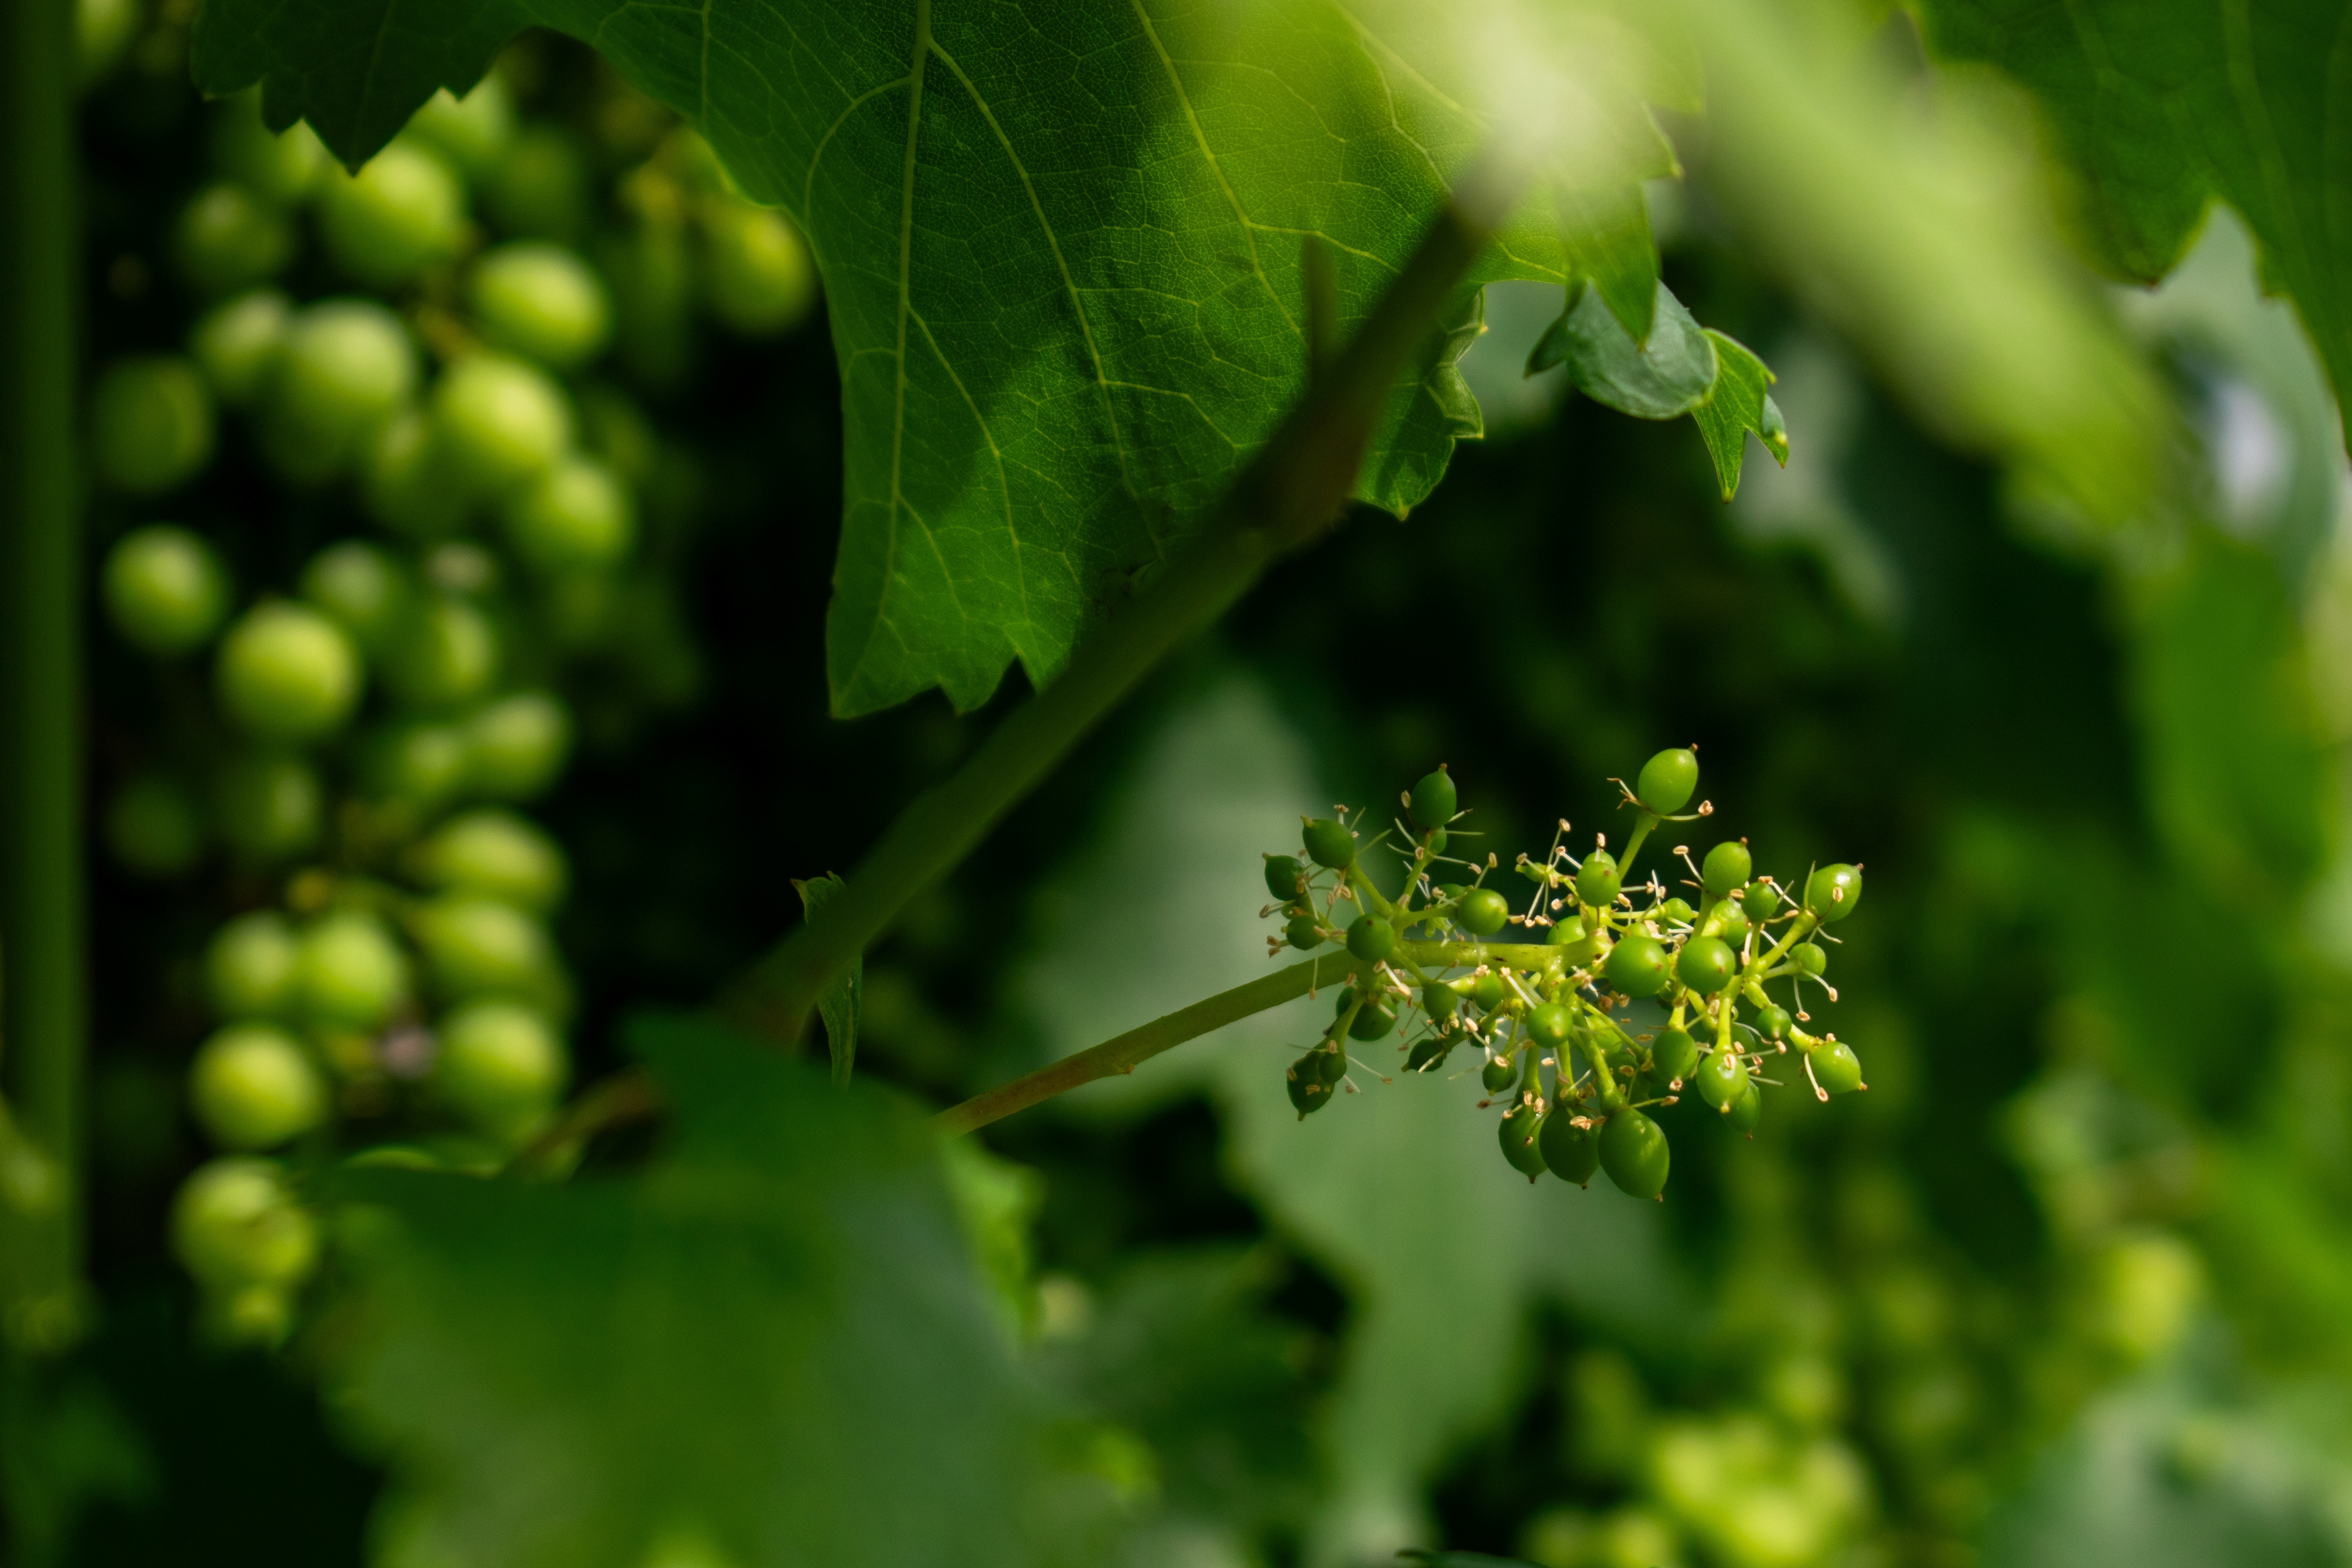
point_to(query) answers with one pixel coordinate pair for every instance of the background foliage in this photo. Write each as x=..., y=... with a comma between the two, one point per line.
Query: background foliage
x=2069, y=1284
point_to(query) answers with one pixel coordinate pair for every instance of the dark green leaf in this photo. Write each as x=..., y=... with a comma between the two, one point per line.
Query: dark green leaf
x=1737, y=404
x=1662, y=379
x=2163, y=104
x=840, y=1003
x=1606, y=233
x=760, y=1349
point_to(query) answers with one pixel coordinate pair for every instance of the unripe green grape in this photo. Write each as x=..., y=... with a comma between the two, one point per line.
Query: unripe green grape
x=1304, y=1083
x=499, y=421
x=471, y=133
x=756, y=273
x=1330, y=1066
x=236, y=343
x=1482, y=911
x=346, y=368
x=1772, y=1021
x=164, y=588
x=287, y=673
x=269, y=806
x=250, y=967
x=1673, y=1055
x=282, y=168
x=501, y=1066
x=1726, y=868
x=443, y=653
x=1328, y=843
x=408, y=482
x=1634, y=1152
x=1832, y=891
x=363, y=588
x=1707, y=965
x=1730, y=922
x=1678, y=910
x=403, y=212
x=1428, y=1055
x=1372, y=938
x=496, y=854
x=1668, y=781
x=150, y=425
x=1499, y=1074
x=422, y=763
x=1376, y=1018
x=235, y=1224
x=577, y=516
x=102, y=29
x=1436, y=840
x=1549, y=1025
x=1488, y=991
x=228, y=238
x=1723, y=1078
x=1570, y=932
x=474, y=946
x=351, y=973
x=1761, y=900
x=1637, y=965
x=1742, y=1114
x=253, y=1087
x=1284, y=876
x=1302, y=933
x=1811, y=957
x=154, y=828
x=539, y=187
x=1598, y=880
x=541, y=300
x=517, y=745
x=1433, y=800
x=1836, y=1067
x=1570, y=1151
x=1520, y=1134
x=1440, y=1001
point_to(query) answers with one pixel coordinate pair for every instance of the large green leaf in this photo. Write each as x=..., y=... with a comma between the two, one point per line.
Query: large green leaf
x=2162, y=105
x=752, y=1353
x=1061, y=244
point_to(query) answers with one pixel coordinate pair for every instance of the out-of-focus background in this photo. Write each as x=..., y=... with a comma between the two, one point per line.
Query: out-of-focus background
x=2069, y=1284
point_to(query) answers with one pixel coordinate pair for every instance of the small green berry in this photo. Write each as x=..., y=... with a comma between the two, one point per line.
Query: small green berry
x=1571, y=1152
x=1372, y=938
x=1772, y=1021
x=1377, y=1018
x=1667, y=780
x=1598, y=880
x=1637, y=965
x=1832, y=891
x=1303, y=934
x=1744, y=1113
x=1329, y=843
x=1498, y=1074
x=1482, y=911
x=1634, y=1152
x=1836, y=1068
x=1723, y=1079
x=1434, y=801
x=1520, y=1135
x=1284, y=876
x=1762, y=901
x=1549, y=1023
x=1489, y=991
x=1673, y=1055
x=1707, y=965
x=1811, y=957
x=1727, y=866
x=1440, y=1001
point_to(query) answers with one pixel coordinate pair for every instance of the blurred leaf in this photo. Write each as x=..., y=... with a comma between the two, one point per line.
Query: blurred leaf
x=2238, y=768
x=2162, y=105
x=1181, y=1350
x=840, y=1003
x=761, y=1344
x=997, y=1201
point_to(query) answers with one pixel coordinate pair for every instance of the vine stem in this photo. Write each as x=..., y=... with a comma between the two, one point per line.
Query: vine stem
x=1287, y=495
x=1123, y=1053
x=42, y=997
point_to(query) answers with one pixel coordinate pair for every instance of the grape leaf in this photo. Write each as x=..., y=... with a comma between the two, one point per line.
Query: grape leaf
x=1061, y=244
x=2161, y=105
x=1663, y=378
x=1737, y=404
x=840, y=1003
x=751, y=1351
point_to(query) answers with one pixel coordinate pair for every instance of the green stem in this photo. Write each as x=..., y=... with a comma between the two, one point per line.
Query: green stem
x=1124, y=1053
x=42, y=996
x=1290, y=492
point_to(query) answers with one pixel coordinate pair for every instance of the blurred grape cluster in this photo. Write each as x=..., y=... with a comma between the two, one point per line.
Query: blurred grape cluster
x=438, y=364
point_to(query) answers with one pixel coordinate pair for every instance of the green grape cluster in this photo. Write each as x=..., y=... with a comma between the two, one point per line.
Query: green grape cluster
x=1603, y=999
x=350, y=745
